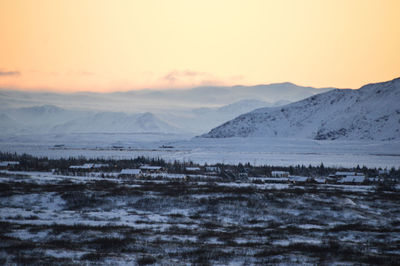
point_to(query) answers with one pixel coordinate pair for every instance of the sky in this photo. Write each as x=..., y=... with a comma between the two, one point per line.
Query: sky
x=102, y=46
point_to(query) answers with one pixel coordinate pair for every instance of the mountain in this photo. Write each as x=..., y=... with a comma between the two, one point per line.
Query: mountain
x=52, y=119
x=199, y=120
x=113, y=122
x=369, y=113
x=38, y=119
x=7, y=124
x=157, y=100
x=243, y=106
x=191, y=111
x=40, y=110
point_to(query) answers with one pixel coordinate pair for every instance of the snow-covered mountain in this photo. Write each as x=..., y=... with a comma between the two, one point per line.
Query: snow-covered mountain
x=37, y=119
x=243, y=106
x=188, y=111
x=7, y=124
x=157, y=100
x=199, y=120
x=369, y=113
x=112, y=122
x=52, y=119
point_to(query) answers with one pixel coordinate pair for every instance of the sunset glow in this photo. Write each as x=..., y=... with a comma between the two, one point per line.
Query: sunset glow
x=120, y=45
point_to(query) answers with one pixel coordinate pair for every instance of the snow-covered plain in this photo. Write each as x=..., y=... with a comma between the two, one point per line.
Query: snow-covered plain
x=257, y=151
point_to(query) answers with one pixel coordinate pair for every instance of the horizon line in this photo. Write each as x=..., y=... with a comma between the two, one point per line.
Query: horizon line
x=65, y=91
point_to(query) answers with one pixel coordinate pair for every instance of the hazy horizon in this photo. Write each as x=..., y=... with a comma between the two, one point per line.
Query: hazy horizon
x=43, y=90
x=71, y=91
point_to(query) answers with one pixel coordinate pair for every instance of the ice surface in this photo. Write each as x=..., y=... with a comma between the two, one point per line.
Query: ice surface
x=257, y=151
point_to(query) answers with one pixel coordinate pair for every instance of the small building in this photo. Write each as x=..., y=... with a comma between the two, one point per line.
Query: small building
x=354, y=179
x=375, y=179
x=344, y=174
x=193, y=169
x=243, y=175
x=100, y=165
x=58, y=146
x=347, y=178
x=383, y=172
x=150, y=169
x=320, y=180
x=86, y=166
x=166, y=147
x=270, y=179
x=279, y=174
x=212, y=169
x=8, y=164
x=117, y=147
x=130, y=172
x=298, y=179
x=331, y=179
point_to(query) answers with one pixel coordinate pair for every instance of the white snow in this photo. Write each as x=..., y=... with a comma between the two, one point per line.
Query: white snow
x=84, y=166
x=352, y=179
x=298, y=178
x=370, y=113
x=8, y=163
x=194, y=110
x=192, y=168
x=345, y=173
x=150, y=167
x=131, y=171
x=257, y=151
x=363, y=111
x=279, y=174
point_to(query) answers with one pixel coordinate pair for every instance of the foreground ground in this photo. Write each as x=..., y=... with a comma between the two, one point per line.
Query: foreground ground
x=55, y=219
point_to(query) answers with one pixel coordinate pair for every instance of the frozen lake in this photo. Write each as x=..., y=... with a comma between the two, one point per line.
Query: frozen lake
x=257, y=151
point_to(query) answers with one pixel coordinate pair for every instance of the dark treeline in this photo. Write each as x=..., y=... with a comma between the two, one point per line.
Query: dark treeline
x=32, y=163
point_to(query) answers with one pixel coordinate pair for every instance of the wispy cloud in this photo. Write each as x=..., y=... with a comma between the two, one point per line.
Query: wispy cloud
x=191, y=77
x=9, y=73
x=176, y=75
x=196, y=78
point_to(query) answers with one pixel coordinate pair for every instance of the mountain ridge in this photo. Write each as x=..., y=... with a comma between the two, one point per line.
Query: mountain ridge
x=369, y=113
x=150, y=100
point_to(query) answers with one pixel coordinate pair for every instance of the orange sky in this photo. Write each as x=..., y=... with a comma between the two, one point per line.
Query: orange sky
x=78, y=45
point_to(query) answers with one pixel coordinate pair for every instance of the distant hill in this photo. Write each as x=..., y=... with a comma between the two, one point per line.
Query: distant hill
x=7, y=124
x=52, y=119
x=200, y=119
x=370, y=113
x=157, y=100
x=109, y=122
x=191, y=111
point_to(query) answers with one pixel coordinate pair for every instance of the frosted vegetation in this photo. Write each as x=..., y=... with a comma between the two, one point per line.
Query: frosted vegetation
x=62, y=219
